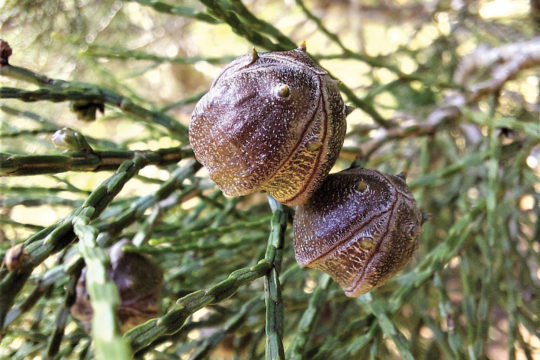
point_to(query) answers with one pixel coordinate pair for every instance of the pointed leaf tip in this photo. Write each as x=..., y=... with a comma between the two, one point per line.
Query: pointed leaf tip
x=402, y=175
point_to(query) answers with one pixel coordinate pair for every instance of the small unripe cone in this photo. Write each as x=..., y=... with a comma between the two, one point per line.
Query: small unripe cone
x=139, y=281
x=70, y=139
x=14, y=258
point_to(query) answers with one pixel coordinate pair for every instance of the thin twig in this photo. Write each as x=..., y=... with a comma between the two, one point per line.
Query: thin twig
x=86, y=95
x=272, y=287
x=17, y=165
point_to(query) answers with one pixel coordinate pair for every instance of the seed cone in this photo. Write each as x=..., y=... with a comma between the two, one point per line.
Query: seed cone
x=139, y=281
x=361, y=227
x=271, y=121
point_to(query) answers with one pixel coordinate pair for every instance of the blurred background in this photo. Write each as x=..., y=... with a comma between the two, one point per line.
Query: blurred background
x=447, y=90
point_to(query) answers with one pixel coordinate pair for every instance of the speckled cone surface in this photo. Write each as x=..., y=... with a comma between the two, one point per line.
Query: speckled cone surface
x=361, y=227
x=250, y=137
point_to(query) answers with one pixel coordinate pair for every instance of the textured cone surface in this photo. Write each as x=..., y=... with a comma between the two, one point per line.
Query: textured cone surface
x=361, y=227
x=251, y=138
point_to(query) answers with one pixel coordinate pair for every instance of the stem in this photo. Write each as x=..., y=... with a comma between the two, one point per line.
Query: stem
x=309, y=317
x=55, y=238
x=17, y=165
x=56, y=90
x=272, y=288
x=104, y=296
x=174, y=319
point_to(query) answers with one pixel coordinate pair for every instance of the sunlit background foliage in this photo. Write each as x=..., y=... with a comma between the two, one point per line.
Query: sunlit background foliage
x=423, y=75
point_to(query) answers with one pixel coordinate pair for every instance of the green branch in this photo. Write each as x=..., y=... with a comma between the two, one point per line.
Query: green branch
x=104, y=296
x=229, y=327
x=247, y=25
x=142, y=335
x=137, y=208
x=17, y=165
x=194, y=246
x=219, y=231
x=56, y=237
x=86, y=97
x=189, y=100
x=32, y=132
x=181, y=10
x=49, y=279
x=243, y=29
x=174, y=319
x=125, y=54
x=261, y=25
x=62, y=316
x=348, y=53
x=387, y=327
x=309, y=317
x=272, y=287
x=365, y=106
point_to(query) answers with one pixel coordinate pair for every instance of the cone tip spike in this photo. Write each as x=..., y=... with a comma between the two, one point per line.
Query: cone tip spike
x=254, y=55
x=402, y=175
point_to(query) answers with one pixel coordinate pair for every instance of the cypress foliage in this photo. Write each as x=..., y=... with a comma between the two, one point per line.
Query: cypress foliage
x=95, y=99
